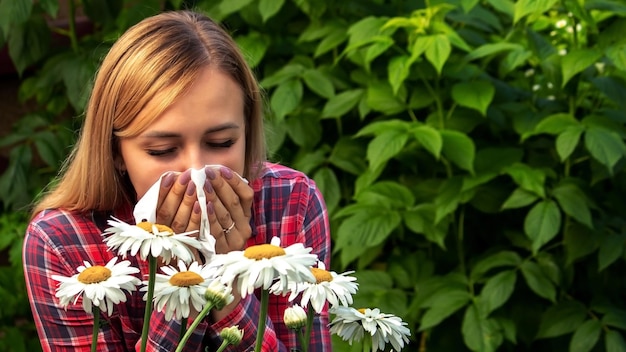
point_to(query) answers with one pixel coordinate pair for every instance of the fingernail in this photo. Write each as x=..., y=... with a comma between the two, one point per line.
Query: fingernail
x=227, y=173
x=208, y=186
x=191, y=188
x=210, y=173
x=185, y=177
x=168, y=180
x=209, y=208
x=196, y=208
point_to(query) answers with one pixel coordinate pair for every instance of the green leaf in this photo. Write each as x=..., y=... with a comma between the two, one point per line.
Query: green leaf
x=304, y=129
x=28, y=43
x=438, y=51
x=492, y=49
x=459, y=148
x=567, y=141
x=348, y=155
x=253, y=45
x=14, y=12
x=421, y=220
x=576, y=61
x=398, y=70
x=366, y=229
x=573, y=202
x=498, y=290
x=380, y=97
x=615, y=318
x=446, y=302
x=328, y=184
x=268, y=8
x=479, y=333
x=49, y=148
x=383, y=193
x=385, y=146
x=228, y=7
x=562, y=318
x=287, y=72
x=524, y=8
x=611, y=248
x=77, y=77
x=537, y=280
x=380, y=45
x=336, y=36
x=448, y=198
x=579, y=241
x=542, y=223
x=496, y=260
x=527, y=178
x=429, y=138
x=617, y=54
x=586, y=336
x=286, y=98
x=519, y=199
x=475, y=95
x=319, y=83
x=604, y=145
x=341, y=103
x=614, y=341
x=553, y=124
x=50, y=6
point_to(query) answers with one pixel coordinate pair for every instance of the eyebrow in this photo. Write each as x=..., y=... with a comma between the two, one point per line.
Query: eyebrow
x=168, y=134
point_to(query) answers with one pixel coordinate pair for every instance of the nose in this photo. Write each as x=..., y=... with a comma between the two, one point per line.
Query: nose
x=193, y=158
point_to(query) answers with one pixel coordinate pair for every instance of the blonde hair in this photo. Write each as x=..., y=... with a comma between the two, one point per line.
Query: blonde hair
x=146, y=70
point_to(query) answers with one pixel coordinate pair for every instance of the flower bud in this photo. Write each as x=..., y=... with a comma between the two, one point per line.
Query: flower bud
x=232, y=335
x=294, y=317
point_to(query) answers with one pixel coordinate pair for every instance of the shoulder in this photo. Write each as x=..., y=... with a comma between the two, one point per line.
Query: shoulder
x=62, y=226
x=277, y=174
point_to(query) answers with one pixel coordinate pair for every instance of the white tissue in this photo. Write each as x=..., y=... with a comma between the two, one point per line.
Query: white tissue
x=145, y=209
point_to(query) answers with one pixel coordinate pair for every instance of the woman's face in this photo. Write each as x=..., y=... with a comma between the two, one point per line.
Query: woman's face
x=204, y=126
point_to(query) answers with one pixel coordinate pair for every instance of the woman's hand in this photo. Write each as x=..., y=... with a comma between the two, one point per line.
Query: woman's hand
x=229, y=207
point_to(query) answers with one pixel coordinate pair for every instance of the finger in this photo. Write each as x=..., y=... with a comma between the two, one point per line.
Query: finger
x=185, y=209
x=166, y=183
x=168, y=209
x=242, y=189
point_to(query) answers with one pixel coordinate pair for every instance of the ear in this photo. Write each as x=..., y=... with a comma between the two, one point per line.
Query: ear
x=119, y=164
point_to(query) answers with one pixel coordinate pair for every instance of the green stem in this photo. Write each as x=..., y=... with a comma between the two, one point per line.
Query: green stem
x=148, y=312
x=96, y=328
x=310, y=314
x=72, y=25
x=207, y=308
x=222, y=346
x=183, y=328
x=367, y=343
x=265, y=295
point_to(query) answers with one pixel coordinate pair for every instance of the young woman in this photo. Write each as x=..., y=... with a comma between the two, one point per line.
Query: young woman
x=173, y=93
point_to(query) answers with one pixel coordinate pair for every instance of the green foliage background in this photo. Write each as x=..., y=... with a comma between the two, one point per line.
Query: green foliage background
x=471, y=152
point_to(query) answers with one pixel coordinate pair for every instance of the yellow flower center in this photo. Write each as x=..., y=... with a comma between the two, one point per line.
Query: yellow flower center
x=147, y=226
x=186, y=279
x=94, y=274
x=263, y=251
x=321, y=275
x=362, y=310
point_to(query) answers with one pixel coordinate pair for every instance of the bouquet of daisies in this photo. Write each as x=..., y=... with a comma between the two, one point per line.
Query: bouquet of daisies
x=188, y=287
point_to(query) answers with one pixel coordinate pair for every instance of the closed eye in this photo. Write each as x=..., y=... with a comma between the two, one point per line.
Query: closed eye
x=160, y=152
x=226, y=144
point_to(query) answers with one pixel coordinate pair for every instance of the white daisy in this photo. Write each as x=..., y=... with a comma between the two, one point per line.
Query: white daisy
x=177, y=290
x=100, y=286
x=147, y=238
x=328, y=286
x=351, y=324
x=294, y=317
x=260, y=265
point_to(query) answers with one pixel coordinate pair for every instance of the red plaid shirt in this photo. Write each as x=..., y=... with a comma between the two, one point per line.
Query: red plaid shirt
x=287, y=204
